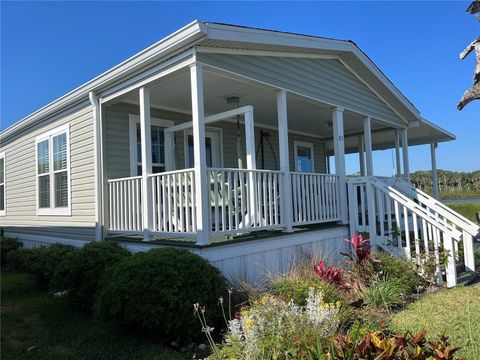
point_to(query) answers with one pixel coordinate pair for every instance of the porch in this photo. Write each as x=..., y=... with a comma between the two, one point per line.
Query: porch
x=226, y=156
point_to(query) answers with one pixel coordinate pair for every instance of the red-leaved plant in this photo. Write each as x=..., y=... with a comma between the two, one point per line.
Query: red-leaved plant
x=361, y=250
x=332, y=274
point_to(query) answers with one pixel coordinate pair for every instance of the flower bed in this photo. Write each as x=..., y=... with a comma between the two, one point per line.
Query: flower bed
x=329, y=312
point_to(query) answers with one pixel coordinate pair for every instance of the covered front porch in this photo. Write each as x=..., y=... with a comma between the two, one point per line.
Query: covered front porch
x=227, y=154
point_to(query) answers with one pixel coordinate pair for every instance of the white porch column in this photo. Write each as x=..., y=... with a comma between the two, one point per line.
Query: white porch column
x=250, y=140
x=202, y=190
x=433, y=147
x=146, y=139
x=367, y=134
x=286, y=188
x=361, y=154
x=398, y=166
x=339, y=150
x=406, y=167
x=251, y=165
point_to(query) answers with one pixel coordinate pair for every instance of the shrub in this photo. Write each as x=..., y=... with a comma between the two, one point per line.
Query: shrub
x=79, y=272
x=401, y=270
x=275, y=329
x=155, y=291
x=477, y=259
x=40, y=262
x=361, y=250
x=384, y=293
x=382, y=345
x=331, y=275
x=6, y=246
x=297, y=289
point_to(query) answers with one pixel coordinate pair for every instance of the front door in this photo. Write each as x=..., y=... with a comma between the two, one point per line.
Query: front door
x=212, y=147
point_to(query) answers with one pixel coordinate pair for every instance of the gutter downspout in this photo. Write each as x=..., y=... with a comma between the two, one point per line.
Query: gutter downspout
x=98, y=168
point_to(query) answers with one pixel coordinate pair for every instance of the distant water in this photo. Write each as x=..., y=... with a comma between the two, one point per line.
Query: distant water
x=461, y=201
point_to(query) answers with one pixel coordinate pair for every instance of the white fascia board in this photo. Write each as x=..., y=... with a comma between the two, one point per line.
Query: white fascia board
x=245, y=34
x=193, y=31
x=288, y=54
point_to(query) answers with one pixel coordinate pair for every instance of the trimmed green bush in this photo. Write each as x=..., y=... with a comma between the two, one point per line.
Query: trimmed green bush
x=40, y=262
x=155, y=291
x=6, y=246
x=477, y=259
x=400, y=270
x=79, y=272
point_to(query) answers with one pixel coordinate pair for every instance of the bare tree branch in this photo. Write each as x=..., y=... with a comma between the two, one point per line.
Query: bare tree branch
x=471, y=94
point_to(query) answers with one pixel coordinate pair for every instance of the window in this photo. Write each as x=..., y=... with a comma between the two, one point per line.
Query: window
x=53, y=172
x=303, y=156
x=213, y=145
x=3, y=197
x=158, y=145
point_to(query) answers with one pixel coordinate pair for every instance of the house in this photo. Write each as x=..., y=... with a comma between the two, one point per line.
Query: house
x=219, y=138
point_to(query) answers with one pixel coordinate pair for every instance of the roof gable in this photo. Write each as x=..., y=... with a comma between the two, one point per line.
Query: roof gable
x=325, y=80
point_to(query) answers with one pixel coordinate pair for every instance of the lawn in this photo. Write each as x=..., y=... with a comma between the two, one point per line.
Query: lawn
x=454, y=311
x=469, y=210
x=35, y=325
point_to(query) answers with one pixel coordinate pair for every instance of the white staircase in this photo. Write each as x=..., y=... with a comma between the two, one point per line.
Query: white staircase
x=405, y=221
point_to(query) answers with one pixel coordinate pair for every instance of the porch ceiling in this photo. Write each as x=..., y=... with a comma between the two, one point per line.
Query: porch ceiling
x=304, y=115
x=382, y=139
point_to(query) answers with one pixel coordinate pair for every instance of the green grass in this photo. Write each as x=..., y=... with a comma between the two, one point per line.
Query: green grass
x=459, y=194
x=35, y=325
x=454, y=311
x=469, y=210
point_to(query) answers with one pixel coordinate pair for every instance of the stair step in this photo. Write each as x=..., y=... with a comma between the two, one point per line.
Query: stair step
x=467, y=278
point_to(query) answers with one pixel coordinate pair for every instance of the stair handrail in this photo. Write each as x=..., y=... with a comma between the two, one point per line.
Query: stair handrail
x=414, y=207
x=437, y=206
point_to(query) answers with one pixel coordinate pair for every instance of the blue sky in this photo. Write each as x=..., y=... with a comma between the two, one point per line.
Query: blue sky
x=49, y=48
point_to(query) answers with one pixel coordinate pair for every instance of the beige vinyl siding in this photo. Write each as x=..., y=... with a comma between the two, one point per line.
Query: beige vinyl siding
x=118, y=139
x=118, y=146
x=21, y=216
x=326, y=80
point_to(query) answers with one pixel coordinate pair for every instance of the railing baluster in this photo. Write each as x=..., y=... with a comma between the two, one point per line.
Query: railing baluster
x=229, y=198
x=417, y=238
x=407, y=232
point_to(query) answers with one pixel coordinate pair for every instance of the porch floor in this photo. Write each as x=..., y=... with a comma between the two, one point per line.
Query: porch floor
x=221, y=240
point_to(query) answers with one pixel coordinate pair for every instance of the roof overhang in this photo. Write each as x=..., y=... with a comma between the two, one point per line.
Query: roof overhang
x=383, y=139
x=222, y=35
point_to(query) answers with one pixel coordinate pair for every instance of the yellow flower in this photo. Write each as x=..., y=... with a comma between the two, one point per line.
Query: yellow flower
x=338, y=303
x=264, y=299
x=248, y=324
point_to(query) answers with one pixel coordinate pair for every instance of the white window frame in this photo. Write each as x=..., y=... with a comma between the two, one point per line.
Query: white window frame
x=310, y=145
x=4, y=211
x=133, y=120
x=63, y=211
x=208, y=129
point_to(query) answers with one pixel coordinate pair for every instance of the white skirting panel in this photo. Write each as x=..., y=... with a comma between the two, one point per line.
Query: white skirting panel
x=252, y=260
x=32, y=241
x=255, y=260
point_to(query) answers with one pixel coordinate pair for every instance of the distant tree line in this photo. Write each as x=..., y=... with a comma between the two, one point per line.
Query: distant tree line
x=448, y=181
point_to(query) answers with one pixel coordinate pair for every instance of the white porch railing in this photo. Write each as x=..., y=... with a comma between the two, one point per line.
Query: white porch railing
x=240, y=201
x=125, y=204
x=244, y=200
x=416, y=227
x=173, y=202
x=315, y=198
